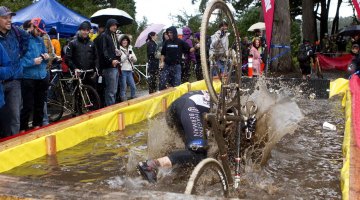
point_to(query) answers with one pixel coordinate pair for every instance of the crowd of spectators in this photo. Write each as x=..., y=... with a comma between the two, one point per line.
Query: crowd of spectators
x=28, y=52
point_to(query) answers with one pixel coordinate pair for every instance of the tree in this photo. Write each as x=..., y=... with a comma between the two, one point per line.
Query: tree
x=309, y=23
x=281, y=35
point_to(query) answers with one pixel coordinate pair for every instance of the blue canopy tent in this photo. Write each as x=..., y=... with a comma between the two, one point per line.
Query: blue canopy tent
x=54, y=14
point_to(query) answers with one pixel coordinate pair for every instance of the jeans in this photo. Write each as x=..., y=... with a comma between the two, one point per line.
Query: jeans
x=170, y=74
x=34, y=93
x=127, y=78
x=111, y=76
x=10, y=112
x=220, y=67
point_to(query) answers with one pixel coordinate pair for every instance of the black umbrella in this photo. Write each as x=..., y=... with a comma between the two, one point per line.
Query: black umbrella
x=350, y=31
x=101, y=16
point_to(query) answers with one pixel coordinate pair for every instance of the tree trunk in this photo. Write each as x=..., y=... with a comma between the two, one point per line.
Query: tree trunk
x=324, y=17
x=281, y=35
x=113, y=3
x=335, y=25
x=309, y=21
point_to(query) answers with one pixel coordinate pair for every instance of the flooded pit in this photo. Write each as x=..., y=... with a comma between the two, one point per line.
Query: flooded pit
x=303, y=165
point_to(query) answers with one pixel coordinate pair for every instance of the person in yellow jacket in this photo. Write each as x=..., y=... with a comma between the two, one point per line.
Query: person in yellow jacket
x=55, y=42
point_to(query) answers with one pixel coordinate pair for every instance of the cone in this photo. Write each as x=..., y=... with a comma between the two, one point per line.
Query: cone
x=250, y=66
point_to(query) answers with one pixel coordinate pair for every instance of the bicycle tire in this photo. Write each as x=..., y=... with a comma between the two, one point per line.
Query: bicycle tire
x=207, y=72
x=204, y=169
x=90, y=96
x=137, y=77
x=55, y=105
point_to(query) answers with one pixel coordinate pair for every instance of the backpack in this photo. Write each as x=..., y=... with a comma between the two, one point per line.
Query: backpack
x=302, y=54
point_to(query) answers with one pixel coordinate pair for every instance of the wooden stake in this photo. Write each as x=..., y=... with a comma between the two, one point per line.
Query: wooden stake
x=50, y=145
x=189, y=87
x=163, y=105
x=121, y=121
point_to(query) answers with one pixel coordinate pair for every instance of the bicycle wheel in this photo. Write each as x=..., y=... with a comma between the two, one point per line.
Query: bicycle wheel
x=87, y=99
x=137, y=77
x=231, y=62
x=208, y=179
x=55, y=104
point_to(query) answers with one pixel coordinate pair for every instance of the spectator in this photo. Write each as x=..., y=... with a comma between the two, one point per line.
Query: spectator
x=304, y=57
x=254, y=52
x=35, y=81
x=245, y=49
x=55, y=42
x=98, y=44
x=6, y=72
x=198, y=68
x=109, y=56
x=258, y=34
x=354, y=67
x=153, y=62
x=15, y=41
x=81, y=53
x=185, y=115
x=219, y=48
x=171, y=55
x=189, y=57
x=325, y=44
x=127, y=60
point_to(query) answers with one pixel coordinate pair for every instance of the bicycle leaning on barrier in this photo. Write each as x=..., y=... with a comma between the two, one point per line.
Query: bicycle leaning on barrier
x=68, y=95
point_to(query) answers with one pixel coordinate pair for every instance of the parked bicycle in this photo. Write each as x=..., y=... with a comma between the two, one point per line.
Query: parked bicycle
x=68, y=95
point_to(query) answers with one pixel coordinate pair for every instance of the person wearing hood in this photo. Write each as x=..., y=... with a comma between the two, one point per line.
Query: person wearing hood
x=127, y=59
x=81, y=53
x=35, y=80
x=109, y=57
x=189, y=57
x=171, y=55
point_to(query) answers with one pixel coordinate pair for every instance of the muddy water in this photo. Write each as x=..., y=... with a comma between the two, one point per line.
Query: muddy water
x=302, y=160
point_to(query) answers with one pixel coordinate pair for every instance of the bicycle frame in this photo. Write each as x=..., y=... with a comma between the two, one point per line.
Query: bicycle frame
x=140, y=72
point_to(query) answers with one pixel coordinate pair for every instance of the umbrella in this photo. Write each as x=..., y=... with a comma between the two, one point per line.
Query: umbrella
x=141, y=40
x=101, y=16
x=259, y=25
x=350, y=31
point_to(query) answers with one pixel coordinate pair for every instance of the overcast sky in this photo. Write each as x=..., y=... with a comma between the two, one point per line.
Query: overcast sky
x=158, y=11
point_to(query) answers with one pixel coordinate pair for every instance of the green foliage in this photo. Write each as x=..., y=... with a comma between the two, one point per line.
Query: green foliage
x=246, y=20
x=295, y=41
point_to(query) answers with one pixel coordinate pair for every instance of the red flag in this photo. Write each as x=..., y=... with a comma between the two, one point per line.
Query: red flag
x=268, y=9
x=357, y=6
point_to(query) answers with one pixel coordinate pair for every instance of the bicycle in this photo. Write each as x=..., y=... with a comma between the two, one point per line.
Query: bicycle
x=138, y=73
x=210, y=175
x=70, y=94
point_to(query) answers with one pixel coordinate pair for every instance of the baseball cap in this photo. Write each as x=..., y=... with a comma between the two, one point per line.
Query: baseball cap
x=39, y=24
x=4, y=11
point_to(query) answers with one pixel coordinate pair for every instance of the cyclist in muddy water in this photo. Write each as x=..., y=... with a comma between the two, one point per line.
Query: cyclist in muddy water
x=186, y=115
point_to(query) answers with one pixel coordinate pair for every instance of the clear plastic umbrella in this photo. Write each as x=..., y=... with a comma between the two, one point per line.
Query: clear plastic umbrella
x=141, y=40
x=259, y=26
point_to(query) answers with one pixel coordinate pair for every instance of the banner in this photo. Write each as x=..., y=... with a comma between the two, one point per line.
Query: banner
x=339, y=63
x=357, y=6
x=268, y=9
